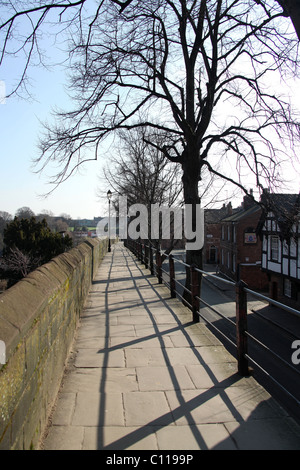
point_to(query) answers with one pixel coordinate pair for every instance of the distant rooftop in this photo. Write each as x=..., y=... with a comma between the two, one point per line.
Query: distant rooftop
x=242, y=213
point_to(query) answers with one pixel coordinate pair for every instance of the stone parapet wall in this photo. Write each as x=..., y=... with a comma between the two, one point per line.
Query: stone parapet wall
x=38, y=320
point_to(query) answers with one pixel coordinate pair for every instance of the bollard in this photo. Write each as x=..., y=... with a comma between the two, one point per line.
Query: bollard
x=241, y=328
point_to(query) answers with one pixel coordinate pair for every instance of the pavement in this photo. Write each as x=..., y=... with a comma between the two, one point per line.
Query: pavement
x=142, y=376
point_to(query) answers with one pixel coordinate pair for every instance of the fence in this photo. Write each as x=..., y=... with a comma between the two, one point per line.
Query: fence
x=154, y=260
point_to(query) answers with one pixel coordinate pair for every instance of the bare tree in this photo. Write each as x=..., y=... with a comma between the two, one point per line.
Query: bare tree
x=199, y=71
x=17, y=264
x=144, y=175
x=141, y=172
x=5, y=217
x=23, y=22
x=223, y=53
x=24, y=213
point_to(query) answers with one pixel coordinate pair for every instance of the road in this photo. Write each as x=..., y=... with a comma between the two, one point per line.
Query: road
x=262, y=321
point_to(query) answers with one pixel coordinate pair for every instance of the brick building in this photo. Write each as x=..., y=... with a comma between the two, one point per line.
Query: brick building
x=240, y=247
x=212, y=233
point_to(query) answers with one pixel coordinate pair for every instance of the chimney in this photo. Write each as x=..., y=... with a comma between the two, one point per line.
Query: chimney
x=229, y=209
x=248, y=200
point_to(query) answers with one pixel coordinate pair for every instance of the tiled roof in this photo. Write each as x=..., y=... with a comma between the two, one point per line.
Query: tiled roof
x=213, y=216
x=284, y=206
x=241, y=214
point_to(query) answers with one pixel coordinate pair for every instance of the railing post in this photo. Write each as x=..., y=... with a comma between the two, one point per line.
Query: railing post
x=136, y=249
x=172, y=276
x=241, y=328
x=158, y=264
x=151, y=259
x=146, y=260
x=195, y=292
x=141, y=252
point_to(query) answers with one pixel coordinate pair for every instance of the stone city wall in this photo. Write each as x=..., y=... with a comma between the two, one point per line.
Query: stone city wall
x=38, y=319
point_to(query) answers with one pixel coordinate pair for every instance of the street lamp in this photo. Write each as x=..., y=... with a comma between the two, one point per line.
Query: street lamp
x=109, y=194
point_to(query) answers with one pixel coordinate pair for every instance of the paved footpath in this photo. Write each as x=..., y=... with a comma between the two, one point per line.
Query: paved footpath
x=143, y=376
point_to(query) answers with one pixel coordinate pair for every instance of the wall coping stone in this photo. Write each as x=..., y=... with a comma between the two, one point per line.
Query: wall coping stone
x=35, y=290
x=38, y=319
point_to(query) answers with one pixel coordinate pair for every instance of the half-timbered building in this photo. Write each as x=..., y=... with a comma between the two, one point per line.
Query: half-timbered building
x=279, y=230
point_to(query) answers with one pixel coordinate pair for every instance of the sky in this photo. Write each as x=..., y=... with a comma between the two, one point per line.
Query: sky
x=20, y=129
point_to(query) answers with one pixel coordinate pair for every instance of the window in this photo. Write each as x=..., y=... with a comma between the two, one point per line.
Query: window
x=274, y=248
x=234, y=234
x=212, y=254
x=228, y=232
x=287, y=288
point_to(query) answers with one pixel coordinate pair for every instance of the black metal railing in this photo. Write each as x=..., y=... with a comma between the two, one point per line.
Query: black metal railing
x=155, y=260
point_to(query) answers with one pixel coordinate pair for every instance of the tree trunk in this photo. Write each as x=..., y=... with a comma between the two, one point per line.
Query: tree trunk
x=190, y=180
x=292, y=9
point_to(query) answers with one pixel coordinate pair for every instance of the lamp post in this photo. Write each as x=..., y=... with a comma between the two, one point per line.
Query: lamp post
x=109, y=194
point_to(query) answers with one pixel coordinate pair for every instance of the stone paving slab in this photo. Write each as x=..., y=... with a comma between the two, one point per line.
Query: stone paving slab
x=142, y=376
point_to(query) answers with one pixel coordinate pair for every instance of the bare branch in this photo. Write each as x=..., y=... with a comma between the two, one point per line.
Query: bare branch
x=202, y=72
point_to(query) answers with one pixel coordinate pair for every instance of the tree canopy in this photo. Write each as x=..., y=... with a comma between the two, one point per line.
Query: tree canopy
x=29, y=243
x=34, y=238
